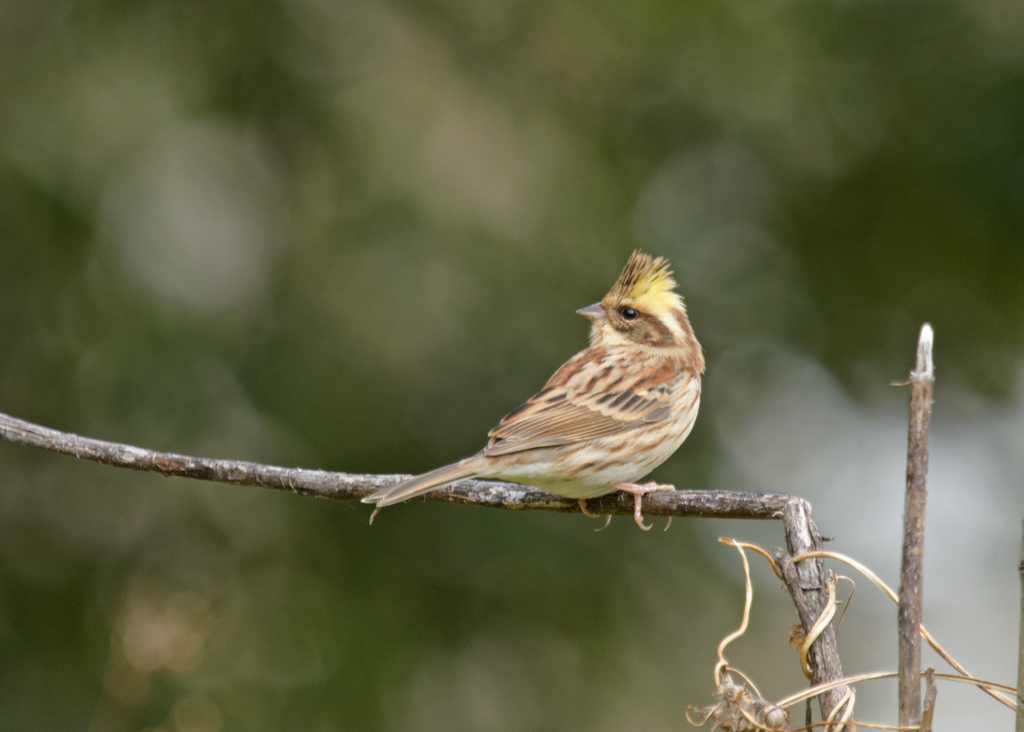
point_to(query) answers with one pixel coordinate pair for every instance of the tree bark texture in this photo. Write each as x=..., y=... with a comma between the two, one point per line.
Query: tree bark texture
x=805, y=582
x=912, y=573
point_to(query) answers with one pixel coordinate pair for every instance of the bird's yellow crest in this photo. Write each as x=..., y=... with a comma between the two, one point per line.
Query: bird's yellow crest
x=646, y=280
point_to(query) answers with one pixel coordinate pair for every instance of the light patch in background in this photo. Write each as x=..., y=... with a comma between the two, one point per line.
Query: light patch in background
x=493, y=684
x=423, y=298
x=700, y=189
x=87, y=105
x=482, y=165
x=197, y=713
x=430, y=132
x=27, y=30
x=194, y=223
x=712, y=210
x=486, y=687
x=775, y=86
x=787, y=426
x=1004, y=26
x=275, y=626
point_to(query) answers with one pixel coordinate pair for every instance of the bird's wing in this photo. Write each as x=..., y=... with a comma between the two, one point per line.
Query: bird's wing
x=598, y=392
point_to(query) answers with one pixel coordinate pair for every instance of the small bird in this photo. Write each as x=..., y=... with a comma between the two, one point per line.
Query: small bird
x=609, y=415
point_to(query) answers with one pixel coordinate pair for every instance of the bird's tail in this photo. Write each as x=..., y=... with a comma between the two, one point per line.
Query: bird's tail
x=420, y=484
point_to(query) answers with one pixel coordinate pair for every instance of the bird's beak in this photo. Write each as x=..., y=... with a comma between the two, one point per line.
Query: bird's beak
x=593, y=312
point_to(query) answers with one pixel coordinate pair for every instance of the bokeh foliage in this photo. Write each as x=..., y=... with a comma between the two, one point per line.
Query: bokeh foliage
x=351, y=235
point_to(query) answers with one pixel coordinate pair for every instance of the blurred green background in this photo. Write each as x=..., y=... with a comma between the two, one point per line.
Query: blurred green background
x=351, y=235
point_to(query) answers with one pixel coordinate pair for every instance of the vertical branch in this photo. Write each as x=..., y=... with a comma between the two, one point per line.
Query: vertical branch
x=804, y=581
x=911, y=576
x=1020, y=653
x=929, y=700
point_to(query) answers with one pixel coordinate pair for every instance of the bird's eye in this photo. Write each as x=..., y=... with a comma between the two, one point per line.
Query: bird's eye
x=628, y=313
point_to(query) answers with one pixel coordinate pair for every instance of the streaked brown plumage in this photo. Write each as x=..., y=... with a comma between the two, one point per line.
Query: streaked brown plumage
x=610, y=414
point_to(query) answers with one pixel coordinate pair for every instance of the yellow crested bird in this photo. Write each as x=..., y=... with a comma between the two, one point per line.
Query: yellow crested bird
x=609, y=415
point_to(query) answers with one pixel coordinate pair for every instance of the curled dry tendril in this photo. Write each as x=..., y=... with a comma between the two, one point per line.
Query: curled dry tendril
x=740, y=707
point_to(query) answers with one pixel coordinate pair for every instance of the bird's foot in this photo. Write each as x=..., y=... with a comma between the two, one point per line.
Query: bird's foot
x=639, y=491
x=588, y=514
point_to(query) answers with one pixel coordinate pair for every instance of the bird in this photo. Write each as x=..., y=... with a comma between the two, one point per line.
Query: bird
x=609, y=415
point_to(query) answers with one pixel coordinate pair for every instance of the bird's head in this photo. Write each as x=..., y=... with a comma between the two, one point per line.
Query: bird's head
x=643, y=309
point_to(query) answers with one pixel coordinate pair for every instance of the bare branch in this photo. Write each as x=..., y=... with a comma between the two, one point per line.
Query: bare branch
x=807, y=588
x=348, y=486
x=912, y=575
x=802, y=535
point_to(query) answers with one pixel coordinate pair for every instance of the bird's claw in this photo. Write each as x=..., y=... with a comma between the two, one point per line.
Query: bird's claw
x=639, y=491
x=639, y=517
x=588, y=514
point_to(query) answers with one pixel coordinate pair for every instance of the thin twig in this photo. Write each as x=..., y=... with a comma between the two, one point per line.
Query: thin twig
x=747, y=602
x=753, y=547
x=807, y=588
x=349, y=486
x=912, y=574
x=874, y=675
x=817, y=689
